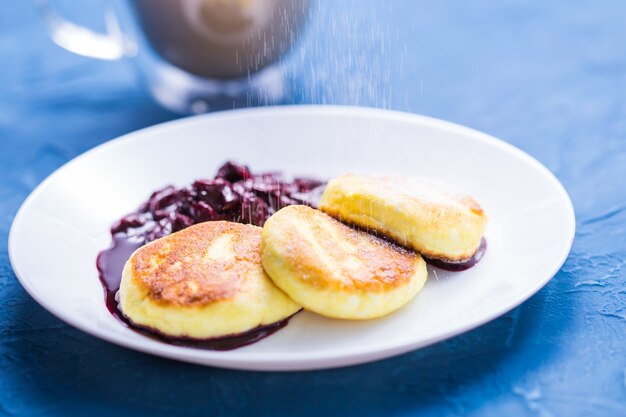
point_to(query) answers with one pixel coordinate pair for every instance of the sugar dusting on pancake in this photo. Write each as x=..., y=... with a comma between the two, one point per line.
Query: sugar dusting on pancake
x=424, y=215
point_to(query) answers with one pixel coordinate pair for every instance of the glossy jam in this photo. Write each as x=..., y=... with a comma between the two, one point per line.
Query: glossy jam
x=235, y=194
x=460, y=266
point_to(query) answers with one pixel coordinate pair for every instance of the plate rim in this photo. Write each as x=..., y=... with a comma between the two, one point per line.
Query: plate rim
x=321, y=360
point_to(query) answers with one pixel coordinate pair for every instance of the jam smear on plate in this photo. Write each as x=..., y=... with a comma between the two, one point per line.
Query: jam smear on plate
x=461, y=266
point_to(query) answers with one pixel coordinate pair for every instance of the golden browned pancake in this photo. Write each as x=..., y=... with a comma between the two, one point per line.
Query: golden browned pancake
x=336, y=271
x=202, y=282
x=415, y=212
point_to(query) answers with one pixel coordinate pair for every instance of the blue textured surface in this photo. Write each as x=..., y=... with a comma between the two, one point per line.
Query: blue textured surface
x=549, y=77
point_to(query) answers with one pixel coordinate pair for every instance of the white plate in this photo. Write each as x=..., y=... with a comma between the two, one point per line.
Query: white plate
x=65, y=222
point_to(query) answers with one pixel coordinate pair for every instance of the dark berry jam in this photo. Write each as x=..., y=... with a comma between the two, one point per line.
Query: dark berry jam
x=460, y=266
x=234, y=194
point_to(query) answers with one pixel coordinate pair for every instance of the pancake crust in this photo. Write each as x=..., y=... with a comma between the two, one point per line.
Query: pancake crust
x=336, y=271
x=202, y=282
x=418, y=213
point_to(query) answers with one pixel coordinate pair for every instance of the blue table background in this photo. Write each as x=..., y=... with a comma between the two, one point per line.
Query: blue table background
x=548, y=77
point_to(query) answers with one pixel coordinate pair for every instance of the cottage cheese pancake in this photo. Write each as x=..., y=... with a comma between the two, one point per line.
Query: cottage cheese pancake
x=337, y=271
x=205, y=281
x=415, y=212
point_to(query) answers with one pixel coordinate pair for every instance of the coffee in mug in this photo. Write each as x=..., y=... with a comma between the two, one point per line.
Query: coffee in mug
x=221, y=38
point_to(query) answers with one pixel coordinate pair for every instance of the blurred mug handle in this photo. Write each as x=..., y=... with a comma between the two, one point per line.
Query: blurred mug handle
x=84, y=41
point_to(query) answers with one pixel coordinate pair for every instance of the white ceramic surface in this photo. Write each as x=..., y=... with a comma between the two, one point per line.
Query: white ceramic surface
x=65, y=222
